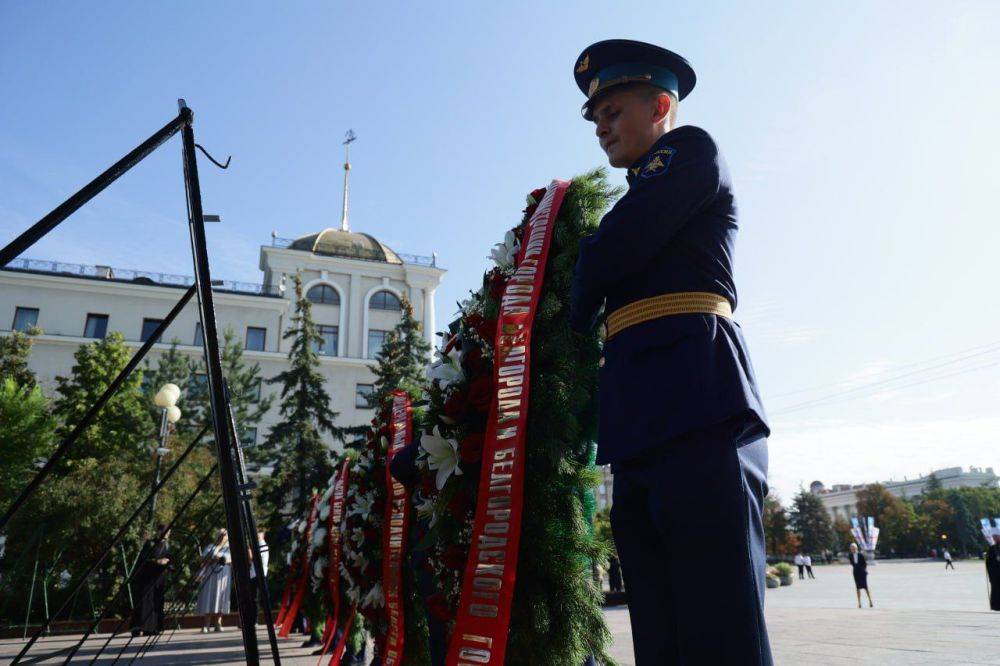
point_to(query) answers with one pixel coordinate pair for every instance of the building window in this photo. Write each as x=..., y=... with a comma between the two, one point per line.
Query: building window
x=376, y=339
x=255, y=338
x=249, y=438
x=323, y=294
x=363, y=396
x=199, y=335
x=25, y=319
x=149, y=327
x=384, y=300
x=328, y=347
x=96, y=326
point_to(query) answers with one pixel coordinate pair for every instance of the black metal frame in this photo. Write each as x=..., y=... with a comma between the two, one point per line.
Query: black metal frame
x=239, y=516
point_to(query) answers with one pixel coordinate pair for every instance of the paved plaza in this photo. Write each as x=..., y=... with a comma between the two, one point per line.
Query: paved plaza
x=923, y=615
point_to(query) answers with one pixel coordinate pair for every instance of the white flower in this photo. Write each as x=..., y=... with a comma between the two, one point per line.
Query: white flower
x=301, y=527
x=324, y=510
x=362, y=505
x=374, y=598
x=503, y=254
x=318, y=567
x=446, y=370
x=442, y=455
x=318, y=537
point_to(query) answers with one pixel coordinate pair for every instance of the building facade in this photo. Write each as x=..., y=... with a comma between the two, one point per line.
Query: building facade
x=841, y=500
x=355, y=283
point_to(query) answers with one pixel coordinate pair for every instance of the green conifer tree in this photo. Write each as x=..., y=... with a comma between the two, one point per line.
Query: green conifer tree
x=402, y=359
x=124, y=428
x=294, y=447
x=14, y=351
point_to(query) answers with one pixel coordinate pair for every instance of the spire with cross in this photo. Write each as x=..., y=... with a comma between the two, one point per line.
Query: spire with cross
x=348, y=139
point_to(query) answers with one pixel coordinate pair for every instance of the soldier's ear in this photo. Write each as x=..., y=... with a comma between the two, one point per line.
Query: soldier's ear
x=662, y=108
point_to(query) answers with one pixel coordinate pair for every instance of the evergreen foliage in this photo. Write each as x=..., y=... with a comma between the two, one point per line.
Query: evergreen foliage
x=811, y=522
x=402, y=360
x=124, y=428
x=27, y=433
x=14, y=351
x=294, y=447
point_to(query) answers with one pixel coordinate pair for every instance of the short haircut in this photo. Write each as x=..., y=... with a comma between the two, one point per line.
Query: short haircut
x=651, y=92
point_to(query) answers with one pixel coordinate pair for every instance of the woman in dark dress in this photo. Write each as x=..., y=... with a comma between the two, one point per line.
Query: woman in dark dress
x=150, y=583
x=859, y=568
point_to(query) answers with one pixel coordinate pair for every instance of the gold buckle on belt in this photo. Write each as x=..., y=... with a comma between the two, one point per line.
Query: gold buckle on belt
x=664, y=305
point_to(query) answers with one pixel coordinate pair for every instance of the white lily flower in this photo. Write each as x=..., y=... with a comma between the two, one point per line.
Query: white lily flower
x=318, y=537
x=301, y=527
x=446, y=370
x=374, y=598
x=426, y=509
x=324, y=510
x=362, y=506
x=442, y=455
x=503, y=254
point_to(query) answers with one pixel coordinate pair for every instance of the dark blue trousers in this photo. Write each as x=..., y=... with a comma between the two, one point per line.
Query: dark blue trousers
x=687, y=525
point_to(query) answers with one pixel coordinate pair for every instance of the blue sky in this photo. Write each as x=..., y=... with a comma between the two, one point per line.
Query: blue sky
x=861, y=137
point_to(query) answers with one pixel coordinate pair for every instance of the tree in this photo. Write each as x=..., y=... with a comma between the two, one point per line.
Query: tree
x=778, y=539
x=27, y=433
x=933, y=483
x=245, y=388
x=842, y=530
x=14, y=351
x=402, y=359
x=811, y=522
x=294, y=447
x=124, y=427
x=900, y=529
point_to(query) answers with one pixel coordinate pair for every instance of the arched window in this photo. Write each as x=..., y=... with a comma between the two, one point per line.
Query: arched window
x=323, y=294
x=384, y=300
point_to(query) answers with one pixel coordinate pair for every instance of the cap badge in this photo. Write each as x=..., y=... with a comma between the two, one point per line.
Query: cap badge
x=594, y=85
x=584, y=64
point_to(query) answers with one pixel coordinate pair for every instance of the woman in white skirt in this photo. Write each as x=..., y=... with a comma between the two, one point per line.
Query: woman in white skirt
x=216, y=574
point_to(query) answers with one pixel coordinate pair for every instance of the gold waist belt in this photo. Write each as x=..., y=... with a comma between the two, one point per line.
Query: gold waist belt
x=647, y=309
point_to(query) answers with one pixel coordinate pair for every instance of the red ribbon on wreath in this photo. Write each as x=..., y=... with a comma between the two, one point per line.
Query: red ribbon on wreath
x=397, y=518
x=302, y=581
x=337, y=500
x=483, y=620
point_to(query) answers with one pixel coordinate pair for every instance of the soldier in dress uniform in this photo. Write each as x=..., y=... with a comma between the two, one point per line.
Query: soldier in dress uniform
x=681, y=420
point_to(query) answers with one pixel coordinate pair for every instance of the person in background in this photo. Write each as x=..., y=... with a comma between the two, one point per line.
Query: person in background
x=255, y=583
x=993, y=572
x=150, y=583
x=800, y=562
x=615, y=574
x=216, y=579
x=859, y=567
x=947, y=559
x=807, y=560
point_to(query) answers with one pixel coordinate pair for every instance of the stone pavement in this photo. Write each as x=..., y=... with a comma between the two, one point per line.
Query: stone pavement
x=923, y=615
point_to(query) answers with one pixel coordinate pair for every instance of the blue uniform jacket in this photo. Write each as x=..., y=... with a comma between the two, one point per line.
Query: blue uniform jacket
x=673, y=231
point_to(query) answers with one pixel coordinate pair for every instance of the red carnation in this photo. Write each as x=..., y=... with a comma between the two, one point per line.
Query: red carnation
x=496, y=284
x=538, y=194
x=470, y=449
x=480, y=393
x=454, y=558
x=438, y=606
x=456, y=404
x=459, y=503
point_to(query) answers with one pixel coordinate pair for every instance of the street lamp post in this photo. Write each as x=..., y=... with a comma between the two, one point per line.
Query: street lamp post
x=165, y=399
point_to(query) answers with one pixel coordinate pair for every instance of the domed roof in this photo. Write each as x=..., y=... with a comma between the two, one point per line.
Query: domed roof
x=337, y=243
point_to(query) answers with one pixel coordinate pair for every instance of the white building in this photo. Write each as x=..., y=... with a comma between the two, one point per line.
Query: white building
x=354, y=281
x=841, y=500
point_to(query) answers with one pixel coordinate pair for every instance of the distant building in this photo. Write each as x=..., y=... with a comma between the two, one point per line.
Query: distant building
x=841, y=500
x=603, y=491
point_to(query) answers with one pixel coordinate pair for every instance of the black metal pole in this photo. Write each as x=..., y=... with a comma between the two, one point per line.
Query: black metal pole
x=94, y=410
x=135, y=570
x=258, y=560
x=121, y=532
x=89, y=191
x=219, y=402
x=161, y=444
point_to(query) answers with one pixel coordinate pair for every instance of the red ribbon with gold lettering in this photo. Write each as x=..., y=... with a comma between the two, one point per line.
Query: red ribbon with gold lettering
x=303, y=580
x=337, y=501
x=483, y=620
x=397, y=518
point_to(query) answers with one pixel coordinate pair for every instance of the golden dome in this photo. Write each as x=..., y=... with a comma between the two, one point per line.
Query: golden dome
x=337, y=243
